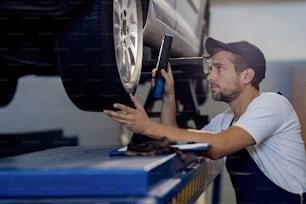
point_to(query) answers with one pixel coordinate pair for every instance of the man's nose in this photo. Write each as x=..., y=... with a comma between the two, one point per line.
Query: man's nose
x=210, y=76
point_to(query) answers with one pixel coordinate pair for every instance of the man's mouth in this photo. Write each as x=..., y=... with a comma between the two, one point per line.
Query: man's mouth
x=213, y=87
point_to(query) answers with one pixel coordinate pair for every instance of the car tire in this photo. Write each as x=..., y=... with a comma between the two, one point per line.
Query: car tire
x=99, y=53
x=8, y=86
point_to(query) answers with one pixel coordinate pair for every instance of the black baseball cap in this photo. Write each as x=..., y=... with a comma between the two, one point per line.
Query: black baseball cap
x=249, y=52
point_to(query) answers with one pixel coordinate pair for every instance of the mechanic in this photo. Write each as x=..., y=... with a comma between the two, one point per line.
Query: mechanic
x=259, y=135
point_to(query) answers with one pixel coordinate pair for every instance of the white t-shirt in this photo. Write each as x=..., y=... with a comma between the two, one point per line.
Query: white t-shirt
x=279, y=150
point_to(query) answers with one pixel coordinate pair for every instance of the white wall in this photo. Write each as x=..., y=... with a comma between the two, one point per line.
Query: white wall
x=278, y=28
x=41, y=104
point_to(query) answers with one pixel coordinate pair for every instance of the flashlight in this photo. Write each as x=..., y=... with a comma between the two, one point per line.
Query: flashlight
x=162, y=63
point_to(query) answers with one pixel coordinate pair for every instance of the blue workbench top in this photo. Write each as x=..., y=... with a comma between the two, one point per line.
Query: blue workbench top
x=77, y=171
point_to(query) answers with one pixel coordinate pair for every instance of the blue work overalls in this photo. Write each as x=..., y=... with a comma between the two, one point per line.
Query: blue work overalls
x=252, y=186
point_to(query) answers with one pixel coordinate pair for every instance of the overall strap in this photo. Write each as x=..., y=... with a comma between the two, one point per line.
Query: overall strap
x=251, y=185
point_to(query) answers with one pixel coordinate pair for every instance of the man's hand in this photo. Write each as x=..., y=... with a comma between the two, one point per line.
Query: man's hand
x=134, y=119
x=168, y=110
x=169, y=81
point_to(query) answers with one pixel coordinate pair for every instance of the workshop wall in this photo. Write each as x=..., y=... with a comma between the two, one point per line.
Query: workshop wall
x=278, y=28
x=41, y=104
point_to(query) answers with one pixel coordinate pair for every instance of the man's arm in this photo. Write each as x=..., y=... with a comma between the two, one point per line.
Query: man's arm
x=168, y=109
x=221, y=144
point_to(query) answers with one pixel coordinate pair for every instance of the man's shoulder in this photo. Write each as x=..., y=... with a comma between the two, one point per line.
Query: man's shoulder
x=270, y=104
x=271, y=95
x=271, y=98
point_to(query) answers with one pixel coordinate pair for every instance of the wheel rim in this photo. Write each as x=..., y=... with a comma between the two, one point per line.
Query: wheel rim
x=128, y=41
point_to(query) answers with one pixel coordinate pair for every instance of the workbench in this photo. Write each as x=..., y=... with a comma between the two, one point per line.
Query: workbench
x=76, y=174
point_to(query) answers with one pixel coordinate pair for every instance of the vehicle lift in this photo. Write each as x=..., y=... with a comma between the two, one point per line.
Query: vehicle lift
x=76, y=174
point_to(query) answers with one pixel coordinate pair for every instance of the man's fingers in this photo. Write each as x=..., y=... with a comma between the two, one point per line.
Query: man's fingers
x=166, y=76
x=125, y=109
x=119, y=117
x=114, y=114
x=152, y=83
x=153, y=75
x=136, y=102
x=169, y=68
x=154, y=72
x=122, y=107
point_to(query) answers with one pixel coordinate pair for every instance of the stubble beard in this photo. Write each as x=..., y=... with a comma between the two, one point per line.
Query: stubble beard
x=227, y=96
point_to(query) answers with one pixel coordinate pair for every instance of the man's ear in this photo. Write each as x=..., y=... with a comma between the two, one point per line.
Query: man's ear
x=248, y=74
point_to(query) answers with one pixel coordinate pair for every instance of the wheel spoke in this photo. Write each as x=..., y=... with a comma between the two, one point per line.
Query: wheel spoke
x=126, y=36
x=131, y=58
x=133, y=28
x=132, y=15
x=131, y=44
x=124, y=4
x=127, y=65
x=117, y=41
x=120, y=54
x=117, y=11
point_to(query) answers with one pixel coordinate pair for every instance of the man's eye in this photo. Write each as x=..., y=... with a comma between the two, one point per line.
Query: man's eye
x=210, y=68
x=219, y=68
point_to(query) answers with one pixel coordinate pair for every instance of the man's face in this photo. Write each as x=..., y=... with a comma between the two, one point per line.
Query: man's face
x=223, y=79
